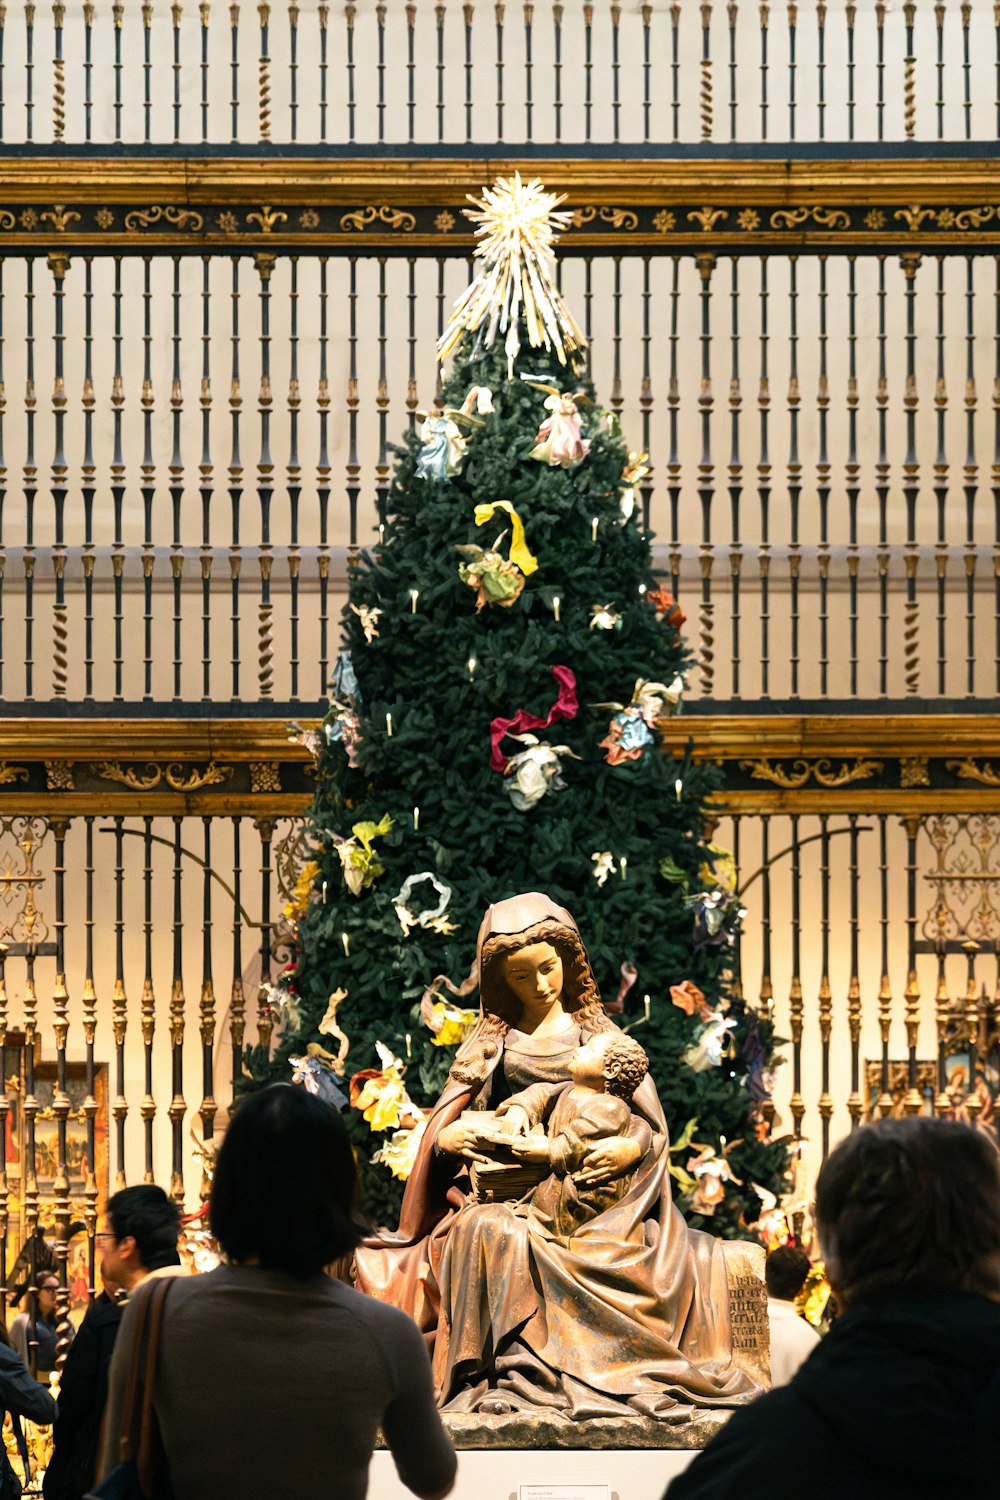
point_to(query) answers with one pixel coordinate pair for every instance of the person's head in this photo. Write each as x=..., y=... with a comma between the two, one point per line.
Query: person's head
x=785, y=1272
x=522, y=972
x=911, y=1206
x=141, y=1234
x=48, y=1291
x=612, y=1061
x=285, y=1190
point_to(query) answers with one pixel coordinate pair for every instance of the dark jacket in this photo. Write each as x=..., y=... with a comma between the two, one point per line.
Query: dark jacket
x=83, y=1393
x=902, y=1398
x=22, y=1396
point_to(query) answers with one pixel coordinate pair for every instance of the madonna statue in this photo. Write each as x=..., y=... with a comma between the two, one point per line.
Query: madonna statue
x=630, y=1310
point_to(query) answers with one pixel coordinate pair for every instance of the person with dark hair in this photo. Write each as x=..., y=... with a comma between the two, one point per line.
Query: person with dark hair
x=792, y=1338
x=270, y=1338
x=22, y=1396
x=902, y=1397
x=34, y=1332
x=140, y=1241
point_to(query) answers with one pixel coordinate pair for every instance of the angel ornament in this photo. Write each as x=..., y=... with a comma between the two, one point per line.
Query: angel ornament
x=444, y=443
x=535, y=771
x=560, y=442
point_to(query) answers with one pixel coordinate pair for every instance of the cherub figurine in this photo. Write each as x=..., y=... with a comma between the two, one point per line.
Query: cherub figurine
x=606, y=1071
x=444, y=443
x=560, y=441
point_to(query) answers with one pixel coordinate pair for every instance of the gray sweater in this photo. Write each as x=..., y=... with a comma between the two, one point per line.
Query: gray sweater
x=269, y=1386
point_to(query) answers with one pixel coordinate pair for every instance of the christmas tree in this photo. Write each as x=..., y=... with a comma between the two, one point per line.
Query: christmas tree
x=508, y=653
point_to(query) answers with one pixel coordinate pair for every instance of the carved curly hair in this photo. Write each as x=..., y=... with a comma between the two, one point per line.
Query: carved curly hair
x=501, y=1007
x=633, y=1065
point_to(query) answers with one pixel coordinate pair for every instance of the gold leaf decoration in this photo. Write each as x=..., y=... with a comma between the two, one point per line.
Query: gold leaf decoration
x=914, y=770
x=9, y=774
x=618, y=218
x=971, y=770
x=267, y=218
x=178, y=777
x=707, y=217
x=800, y=771
x=359, y=218
x=180, y=218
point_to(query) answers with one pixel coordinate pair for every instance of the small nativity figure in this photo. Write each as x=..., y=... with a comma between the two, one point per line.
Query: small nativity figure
x=560, y=442
x=443, y=442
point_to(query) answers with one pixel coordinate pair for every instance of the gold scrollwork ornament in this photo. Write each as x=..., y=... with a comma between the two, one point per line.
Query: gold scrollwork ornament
x=707, y=217
x=970, y=770
x=801, y=771
x=618, y=218
x=359, y=218
x=180, y=218
x=177, y=777
x=10, y=774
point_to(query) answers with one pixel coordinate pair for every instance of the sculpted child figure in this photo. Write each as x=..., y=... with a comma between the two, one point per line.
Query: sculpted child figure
x=629, y=1309
x=605, y=1071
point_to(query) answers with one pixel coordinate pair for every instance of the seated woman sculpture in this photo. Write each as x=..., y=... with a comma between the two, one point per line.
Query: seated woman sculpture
x=631, y=1311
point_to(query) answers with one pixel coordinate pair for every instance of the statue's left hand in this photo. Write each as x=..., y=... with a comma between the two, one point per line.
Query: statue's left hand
x=608, y=1159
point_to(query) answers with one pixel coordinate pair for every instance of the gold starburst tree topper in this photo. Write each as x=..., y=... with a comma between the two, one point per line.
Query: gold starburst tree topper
x=516, y=225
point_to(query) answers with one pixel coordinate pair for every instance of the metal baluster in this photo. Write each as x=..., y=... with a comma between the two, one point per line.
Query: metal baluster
x=467, y=13
x=854, y=1103
x=615, y=400
x=147, y=483
x=616, y=16
x=293, y=70
x=646, y=394
x=264, y=72
x=966, y=12
x=823, y=488
x=736, y=978
x=910, y=264
x=588, y=68
x=821, y=70
x=324, y=26
x=177, y=1107
x=30, y=483
x=765, y=20
x=147, y=1109
x=675, y=69
x=797, y=1103
x=294, y=472
x=825, y=992
x=735, y=472
x=264, y=265
x=764, y=487
x=528, y=11
x=29, y=1109
x=176, y=473
x=89, y=1035
x=557, y=15
x=118, y=482
x=147, y=70
x=353, y=467
x=732, y=12
x=380, y=70
x=235, y=477
x=3, y=499
x=850, y=14
x=706, y=480
x=973, y=1102
x=996, y=67
x=793, y=17
x=4, y=1118
x=439, y=15
x=60, y=1099
x=204, y=15
x=323, y=470
x=880, y=65
x=382, y=467
x=3, y=32
x=882, y=487
x=88, y=473
x=912, y=1102
x=206, y=475
x=939, y=15
x=498, y=13
x=909, y=73
x=59, y=265
x=118, y=16
x=705, y=92
x=119, y=1008
x=942, y=1020
x=411, y=342
x=237, y=999
x=265, y=1021
x=941, y=485
x=884, y=992
x=411, y=97
x=970, y=475
x=29, y=69
x=234, y=70
x=206, y=1009
x=794, y=468
x=647, y=69
x=673, y=419
x=58, y=74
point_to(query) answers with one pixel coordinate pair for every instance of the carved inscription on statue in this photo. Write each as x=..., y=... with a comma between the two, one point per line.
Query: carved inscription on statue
x=748, y=1313
x=750, y=1333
